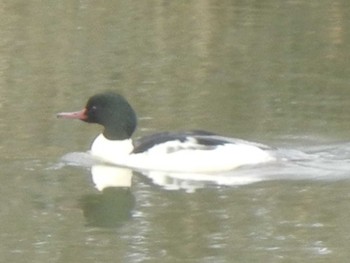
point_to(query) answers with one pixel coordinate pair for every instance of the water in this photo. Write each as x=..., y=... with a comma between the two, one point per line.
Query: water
x=267, y=71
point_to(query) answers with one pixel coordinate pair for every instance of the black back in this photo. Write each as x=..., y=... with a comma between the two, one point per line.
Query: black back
x=202, y=138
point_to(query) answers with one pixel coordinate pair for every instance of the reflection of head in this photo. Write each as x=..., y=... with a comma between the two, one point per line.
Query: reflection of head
x=110, y=208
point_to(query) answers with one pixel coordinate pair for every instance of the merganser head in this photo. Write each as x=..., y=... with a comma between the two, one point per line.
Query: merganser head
x=112, y=111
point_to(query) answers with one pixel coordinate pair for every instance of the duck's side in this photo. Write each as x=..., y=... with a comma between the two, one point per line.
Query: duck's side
x=196, y=152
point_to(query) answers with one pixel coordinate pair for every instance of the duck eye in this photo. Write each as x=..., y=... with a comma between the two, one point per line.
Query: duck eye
x=92, y=110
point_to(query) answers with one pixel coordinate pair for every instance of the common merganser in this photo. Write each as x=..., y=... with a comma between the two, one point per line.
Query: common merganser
x=192, y=151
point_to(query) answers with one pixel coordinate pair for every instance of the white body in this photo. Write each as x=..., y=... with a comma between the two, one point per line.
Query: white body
x=191, y=158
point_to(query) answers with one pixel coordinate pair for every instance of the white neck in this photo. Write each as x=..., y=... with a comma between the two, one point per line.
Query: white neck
x=111, y=150
x=110, y=176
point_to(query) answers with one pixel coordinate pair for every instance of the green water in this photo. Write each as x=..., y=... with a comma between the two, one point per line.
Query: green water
x=274, y=72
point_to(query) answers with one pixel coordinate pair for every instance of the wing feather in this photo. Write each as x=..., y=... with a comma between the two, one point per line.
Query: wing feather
x=200, y=140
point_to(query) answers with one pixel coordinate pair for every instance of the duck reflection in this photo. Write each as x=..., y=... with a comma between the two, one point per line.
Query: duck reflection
x=190, y=182
x=113, y=205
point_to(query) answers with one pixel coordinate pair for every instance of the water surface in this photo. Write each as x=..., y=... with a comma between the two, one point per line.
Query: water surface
x=272, y=72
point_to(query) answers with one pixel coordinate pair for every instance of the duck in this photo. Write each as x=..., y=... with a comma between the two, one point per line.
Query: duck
x=194, y=151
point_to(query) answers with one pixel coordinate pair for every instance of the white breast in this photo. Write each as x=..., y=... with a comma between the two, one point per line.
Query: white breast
x=111, y=151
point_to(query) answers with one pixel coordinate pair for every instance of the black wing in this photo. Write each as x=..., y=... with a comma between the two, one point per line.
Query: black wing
x=203, y=139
